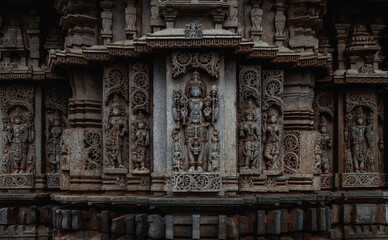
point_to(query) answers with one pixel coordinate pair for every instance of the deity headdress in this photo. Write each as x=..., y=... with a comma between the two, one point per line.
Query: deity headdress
x=195, y=80
x=117, y=103
x=18, y=114
x=359, y=114
x=322, y=122
x=250, y=109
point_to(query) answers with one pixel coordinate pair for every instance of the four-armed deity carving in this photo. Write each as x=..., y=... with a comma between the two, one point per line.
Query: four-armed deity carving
x=196, y=112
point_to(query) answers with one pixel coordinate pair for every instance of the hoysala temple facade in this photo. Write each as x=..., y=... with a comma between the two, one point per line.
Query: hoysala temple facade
x=193, y=119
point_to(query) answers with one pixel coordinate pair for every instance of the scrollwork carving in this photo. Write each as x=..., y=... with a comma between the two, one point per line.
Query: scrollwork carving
x=291, y=146
x=93, y=151
x=193, y=30
x=182, y=61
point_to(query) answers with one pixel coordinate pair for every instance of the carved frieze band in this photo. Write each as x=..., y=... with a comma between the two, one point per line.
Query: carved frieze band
x=183, y=61
x=196, y=182
x=18, y=141
x=272, y=112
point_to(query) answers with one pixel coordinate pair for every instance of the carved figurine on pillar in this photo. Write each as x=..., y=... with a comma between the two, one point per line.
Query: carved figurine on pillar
x=196, y=115
x=115, y=133
x=140, y=142
x=54, y=134
x=272, y=138
x=325, y=144
x=19, y=135
x=250, y=131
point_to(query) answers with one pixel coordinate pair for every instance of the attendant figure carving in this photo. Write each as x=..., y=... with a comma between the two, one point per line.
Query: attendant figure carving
x=249, y=133
x=272, y=138
x=140, y=140
x=54, y=134
x=117, y=128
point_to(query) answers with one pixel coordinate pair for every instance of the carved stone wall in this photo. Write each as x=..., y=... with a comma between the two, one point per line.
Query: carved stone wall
x=193, y=119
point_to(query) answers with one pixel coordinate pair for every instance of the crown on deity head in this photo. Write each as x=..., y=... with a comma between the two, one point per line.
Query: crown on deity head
x=195, y=80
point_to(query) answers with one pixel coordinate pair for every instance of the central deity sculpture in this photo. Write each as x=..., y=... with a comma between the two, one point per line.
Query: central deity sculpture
x=19, y=135
x=196, y=115
x=361, y=138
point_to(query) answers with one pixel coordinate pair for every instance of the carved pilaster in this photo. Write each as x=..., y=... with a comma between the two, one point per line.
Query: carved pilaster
x=272, y=93
x=130, y=19
x=115, y=127
x=324, y=124
x=56, y=122
x=249, y=122
x=280, y=22
x=140, y=127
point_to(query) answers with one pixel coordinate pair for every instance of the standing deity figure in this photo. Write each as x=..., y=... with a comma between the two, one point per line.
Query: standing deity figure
x=197, y=113
x=271, y=138
x=325, y=144
x=19, y=136
x=359, y=136
x=140, y=142
x=249, y=132
x=256, y=17
x=54, y=134
x=117, y=128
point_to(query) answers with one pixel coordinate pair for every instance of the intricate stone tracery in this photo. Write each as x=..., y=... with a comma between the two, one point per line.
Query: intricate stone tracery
x=291, y=146
x=183, y=61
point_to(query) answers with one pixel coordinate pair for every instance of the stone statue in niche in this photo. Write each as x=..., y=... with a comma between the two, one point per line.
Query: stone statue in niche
x=196, y=115
x=54, y=133
x=272, y=138
x=19, y=135
x=256, y=16
x=140, y=142
x=360, y=139
x=116, y=131
x=249, y=133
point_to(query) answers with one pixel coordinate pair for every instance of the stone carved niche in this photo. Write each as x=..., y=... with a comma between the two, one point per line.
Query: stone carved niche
x=249, y=122
x=140, y=134
x=361, y=161
x=56, y=121
x=115, y=128
x=272, y=121
x=18, y=159
x=195, y=135
x=324, y=117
